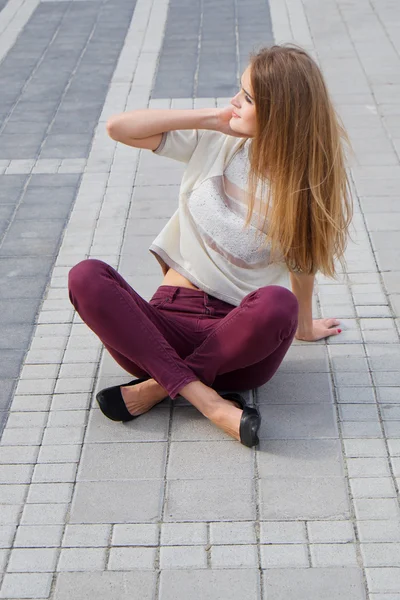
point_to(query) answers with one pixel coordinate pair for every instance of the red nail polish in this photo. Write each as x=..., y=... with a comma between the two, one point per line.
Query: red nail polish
x=339, y=331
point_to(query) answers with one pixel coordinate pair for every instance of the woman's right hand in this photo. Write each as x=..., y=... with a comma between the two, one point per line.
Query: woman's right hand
x=224, y=115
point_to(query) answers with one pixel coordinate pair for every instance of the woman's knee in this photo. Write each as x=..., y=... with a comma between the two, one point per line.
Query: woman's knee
x=279, y=302
x=83, y=278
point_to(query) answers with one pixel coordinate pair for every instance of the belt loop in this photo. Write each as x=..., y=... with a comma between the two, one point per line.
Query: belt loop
x=175, y=292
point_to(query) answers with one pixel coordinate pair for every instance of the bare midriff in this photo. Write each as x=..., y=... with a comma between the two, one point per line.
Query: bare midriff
x=172, y=277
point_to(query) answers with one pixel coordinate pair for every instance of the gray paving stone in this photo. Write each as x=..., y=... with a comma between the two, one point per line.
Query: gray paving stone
x=231, y=533
x=7, y=533
x=26, y=585
x=82, y=559
x=123, y=502
x=328, y=532
x=183, y=557
x=151, y=427
x=206, y=583
x=44, y=514
x=239, y=557
x=145, y=534
x=333, y=555
x=181, y=534
x=307, y=458
x=124, y=559
x=136, y=585
x=297, y=421
x=198, y=500
x=38, y=536
x=376, y=508
x=282, y=532
x=194, y=460
x=296, y=388
x=86, y=535
x=322, y=583
x=36, y=560
x=116, y=462
x=386, y=580
x=303, y=498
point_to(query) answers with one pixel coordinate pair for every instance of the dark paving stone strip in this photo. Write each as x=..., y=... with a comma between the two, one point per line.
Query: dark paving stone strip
x=56, y=79
x=207, y=44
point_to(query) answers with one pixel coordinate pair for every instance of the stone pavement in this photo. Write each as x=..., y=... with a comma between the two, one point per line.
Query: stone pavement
x=167, y=507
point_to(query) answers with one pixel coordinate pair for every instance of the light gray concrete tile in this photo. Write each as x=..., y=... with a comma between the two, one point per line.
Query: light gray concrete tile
x=195, y=460
x=368, y=467
x=354, y=378
x=138, y=534
x=54, y=473
x=379, y=531
x=381, y=555
x=22, y=437
x=26, y=585
x=203, y=583
x=284, y=555
x=181, y=534
x=232, y=533
x=67, y=418
x=308, y=458
x=289, y=388
x=27, y=419
x=30, y=403
x=15, y=473
x=63, y=435
x=151, y=427
x=90, y=536
x=3, y=559
x=372, y=487
x=358, y=412
x=394, y=447
x=362, y=429
x=123, y=502
x=282, y=532
x=115, y=462
x=303, y=498
x=312, y=359
x=13, y=494
x=238, y=557
x=44, y=514
x=126, y=559
x=376, y=509
x=302, y=584
x=57, y=493
x=34, y=560
x=135, y=585
x=364, y=448
x=388, y=395
x=73, y=402
x=383, y=579
x=18, y=454
x=297, y=421
x=329, y=532
x=59, y=454
x=38, y=536
x=82, y=559
x=333, y=555
x=210, y=500
x=183, y=557
x=355, y=395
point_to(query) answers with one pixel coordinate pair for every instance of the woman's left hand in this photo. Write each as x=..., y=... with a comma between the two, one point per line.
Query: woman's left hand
x=321, y=328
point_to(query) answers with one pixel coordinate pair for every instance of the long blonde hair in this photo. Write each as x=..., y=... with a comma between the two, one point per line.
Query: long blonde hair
x=297, y=160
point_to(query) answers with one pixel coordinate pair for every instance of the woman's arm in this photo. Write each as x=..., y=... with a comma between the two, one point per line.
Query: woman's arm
x=308, y=329
x=143, y=128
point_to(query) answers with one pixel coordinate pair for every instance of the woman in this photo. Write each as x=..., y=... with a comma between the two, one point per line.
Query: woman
x=264, y=204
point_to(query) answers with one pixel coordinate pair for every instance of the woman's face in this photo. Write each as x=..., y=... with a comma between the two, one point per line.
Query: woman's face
x=244, y=111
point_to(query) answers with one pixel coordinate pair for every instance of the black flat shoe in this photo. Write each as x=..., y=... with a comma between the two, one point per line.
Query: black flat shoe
x=250, y=421
x=112, y=404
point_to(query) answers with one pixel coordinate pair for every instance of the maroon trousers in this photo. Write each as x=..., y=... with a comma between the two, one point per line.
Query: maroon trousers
x=184, y=335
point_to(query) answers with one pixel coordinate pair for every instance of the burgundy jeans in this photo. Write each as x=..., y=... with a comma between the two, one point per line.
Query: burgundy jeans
x=184, y=335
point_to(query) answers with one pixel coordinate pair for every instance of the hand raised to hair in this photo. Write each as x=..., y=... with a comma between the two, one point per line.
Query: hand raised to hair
x=321, y=328
x=224, y=115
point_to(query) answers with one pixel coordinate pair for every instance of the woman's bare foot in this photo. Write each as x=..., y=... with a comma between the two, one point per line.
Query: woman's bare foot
x=142, y=397
x=225, y=414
